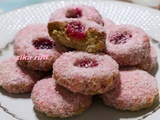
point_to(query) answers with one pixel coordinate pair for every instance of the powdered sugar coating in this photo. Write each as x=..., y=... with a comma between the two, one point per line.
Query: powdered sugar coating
x=86, y=80
x=23, y=45
x=135, y=49
x=150, y=62
x=15, y=79
x=87, y=13
x=56, y=101
x=137, y=90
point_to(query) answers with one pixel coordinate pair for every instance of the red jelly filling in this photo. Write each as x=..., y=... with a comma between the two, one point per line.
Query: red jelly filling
x=74, y=13
x=43, y=43
x=87, y=64
x=120, y=38
x=75, y=30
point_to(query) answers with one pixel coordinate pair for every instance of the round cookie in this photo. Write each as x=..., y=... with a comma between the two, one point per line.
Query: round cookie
x=78, y=34
x=56, y=101
x=82, y=12
x=35, y=48
x=150, y=62
x=85, y=73
x=127, y=44
x=137, y=90
x=16, y=79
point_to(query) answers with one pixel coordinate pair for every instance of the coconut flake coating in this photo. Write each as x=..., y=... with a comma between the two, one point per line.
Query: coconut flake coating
x=16, y=79
x=85, y=73
x=78, y=34
x=82, y=12
x=127, y=44
x=35, y=48
x=56, y=101
x=137, y=90
x=150, y=62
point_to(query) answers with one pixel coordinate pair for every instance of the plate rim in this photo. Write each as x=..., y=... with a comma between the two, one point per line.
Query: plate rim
x=106, y=1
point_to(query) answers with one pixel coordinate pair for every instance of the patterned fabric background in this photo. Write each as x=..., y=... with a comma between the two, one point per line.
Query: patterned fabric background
x=8, y=5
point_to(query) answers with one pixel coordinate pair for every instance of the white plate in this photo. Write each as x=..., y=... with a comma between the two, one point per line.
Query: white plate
x=121, y=13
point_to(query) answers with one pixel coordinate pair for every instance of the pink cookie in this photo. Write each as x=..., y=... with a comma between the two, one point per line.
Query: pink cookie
x=15, y=79
x=137, y=90
x=35, y=48
x=85, y=73
x=82, y=12
x=127, y=44
x=56, y=101
x=79, y=34
x=150, y=62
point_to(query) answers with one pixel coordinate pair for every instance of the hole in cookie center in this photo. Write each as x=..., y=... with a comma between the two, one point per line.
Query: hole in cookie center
x=43, y=43
x=87, y=64
x=74, y=13
x=120, y=38
x=75, y=30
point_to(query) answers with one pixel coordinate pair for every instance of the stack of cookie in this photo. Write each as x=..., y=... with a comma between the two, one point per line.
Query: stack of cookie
x=77, y=55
